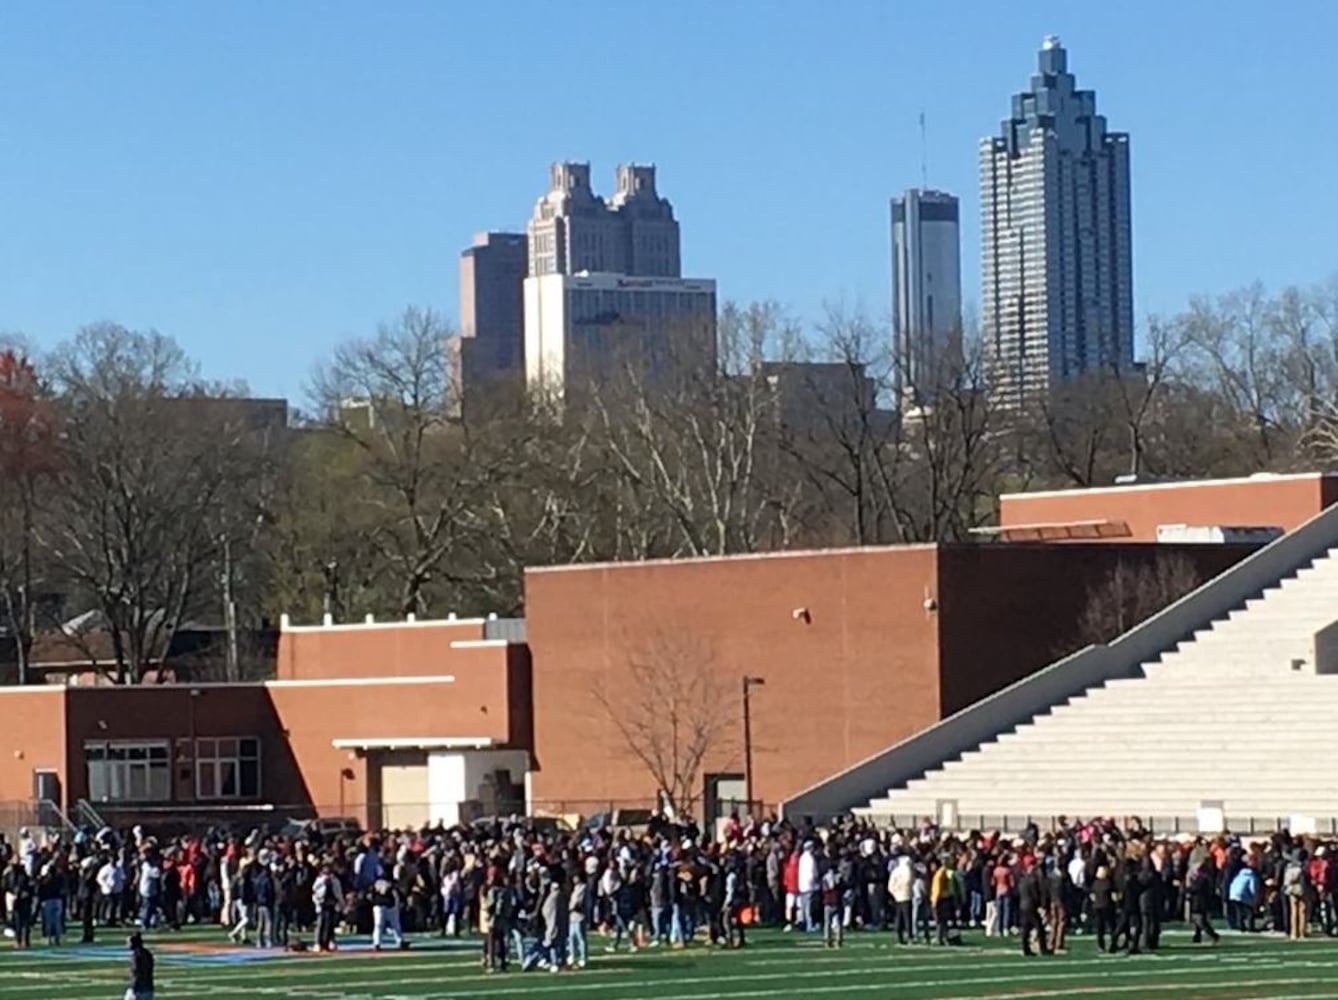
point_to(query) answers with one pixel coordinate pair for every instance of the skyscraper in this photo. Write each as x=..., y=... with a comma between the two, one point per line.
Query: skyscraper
x=594, y=328
x=574, y=230
x=491, y=270
x=605, y=291
x=489, y=348
x=1057, y=267
x=926, y=291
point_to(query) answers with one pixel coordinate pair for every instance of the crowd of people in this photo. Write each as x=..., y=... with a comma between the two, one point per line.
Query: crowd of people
x=535, y=897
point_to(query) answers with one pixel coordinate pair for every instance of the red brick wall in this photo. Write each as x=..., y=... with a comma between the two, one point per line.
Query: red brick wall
x=477, y=704
x=296, y=723
x=32, y=737
x=860, y=674
x=1284, y=502
x=1008, y=609
x=170, y=712
x=380, y=650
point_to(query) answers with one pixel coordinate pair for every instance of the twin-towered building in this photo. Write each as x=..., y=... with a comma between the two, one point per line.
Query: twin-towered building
x=605, y=296
x=574, y=230
x=592, y=286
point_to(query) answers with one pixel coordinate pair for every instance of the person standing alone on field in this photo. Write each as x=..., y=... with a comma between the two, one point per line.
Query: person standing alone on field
x=141, y=970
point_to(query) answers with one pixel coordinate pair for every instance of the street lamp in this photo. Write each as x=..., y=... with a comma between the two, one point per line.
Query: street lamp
x=748, y=684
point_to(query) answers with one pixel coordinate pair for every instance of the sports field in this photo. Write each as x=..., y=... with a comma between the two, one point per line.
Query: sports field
x=193, y=966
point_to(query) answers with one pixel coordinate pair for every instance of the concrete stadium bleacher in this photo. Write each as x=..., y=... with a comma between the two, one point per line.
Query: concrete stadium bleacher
x=1240, y=714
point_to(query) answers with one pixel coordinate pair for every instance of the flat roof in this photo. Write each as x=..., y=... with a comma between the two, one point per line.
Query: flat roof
x=737, y=557
x=311, y=682
x=413, y=743
x=1098, y=528
x=286, y=624
x=1258, y=477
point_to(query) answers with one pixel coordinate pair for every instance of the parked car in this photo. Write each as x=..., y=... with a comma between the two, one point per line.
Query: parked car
x=326, y=827
x=541, y=824
x=634, y=821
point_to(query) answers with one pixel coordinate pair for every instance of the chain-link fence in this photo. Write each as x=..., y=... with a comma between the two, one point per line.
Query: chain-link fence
x=18, y=814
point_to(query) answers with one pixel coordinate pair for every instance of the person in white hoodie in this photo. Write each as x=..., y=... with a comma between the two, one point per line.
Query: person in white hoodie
x=28, y=852
x=111, y=883
x=900, y=886
x=809, y=882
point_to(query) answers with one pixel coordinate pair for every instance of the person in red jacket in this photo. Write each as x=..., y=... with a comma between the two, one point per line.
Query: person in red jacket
x=1320, y=900
x=790, y=883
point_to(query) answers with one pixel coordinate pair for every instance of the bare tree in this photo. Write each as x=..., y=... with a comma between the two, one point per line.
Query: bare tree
x=317, y=547
x=548, y=503
x=27, y=462
x=952, y=448
x=1130, y=594
x=149, y=466
x=694, y=448
x=1232, y=348
x=838, y=436
x=672, y=711
x=389, y=396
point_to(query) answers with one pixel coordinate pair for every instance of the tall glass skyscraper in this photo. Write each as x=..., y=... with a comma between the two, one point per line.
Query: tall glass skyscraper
x=1057, y=282
x=926, y=293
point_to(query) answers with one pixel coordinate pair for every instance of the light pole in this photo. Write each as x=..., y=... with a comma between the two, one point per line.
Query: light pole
x=748, y=684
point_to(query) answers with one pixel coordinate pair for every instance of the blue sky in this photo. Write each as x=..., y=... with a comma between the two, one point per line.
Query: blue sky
x=264, y=179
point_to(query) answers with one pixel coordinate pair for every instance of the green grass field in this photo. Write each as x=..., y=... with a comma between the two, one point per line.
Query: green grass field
x=193, y=965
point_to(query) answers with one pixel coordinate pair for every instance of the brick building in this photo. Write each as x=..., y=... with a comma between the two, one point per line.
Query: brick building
x=859, y=648
x=387, y=722
x=1135, y=512
x=400, y=721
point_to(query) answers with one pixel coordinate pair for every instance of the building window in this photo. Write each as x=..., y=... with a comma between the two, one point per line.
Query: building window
x=129, y=771
x=227, y=768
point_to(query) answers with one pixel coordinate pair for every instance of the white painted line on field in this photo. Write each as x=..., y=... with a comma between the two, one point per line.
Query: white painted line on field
x=1143, y=987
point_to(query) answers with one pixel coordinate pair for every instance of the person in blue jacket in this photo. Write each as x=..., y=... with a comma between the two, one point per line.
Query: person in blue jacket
x=1243, y=896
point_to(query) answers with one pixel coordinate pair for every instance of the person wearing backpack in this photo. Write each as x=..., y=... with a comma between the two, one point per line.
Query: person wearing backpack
x=1295, y=886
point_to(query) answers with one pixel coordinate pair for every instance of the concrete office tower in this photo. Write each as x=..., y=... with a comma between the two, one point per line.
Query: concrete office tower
x=574, y=230
x=586, y=327
x=1057, y=265
x=490, y=347
x=926, y=293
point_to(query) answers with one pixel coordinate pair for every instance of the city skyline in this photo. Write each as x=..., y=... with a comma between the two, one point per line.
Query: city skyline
x=262, y=190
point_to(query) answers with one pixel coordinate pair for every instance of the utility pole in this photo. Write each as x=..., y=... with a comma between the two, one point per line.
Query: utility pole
x=330, y=571
x=748, y=683
x=229, y=613
x=21, y=634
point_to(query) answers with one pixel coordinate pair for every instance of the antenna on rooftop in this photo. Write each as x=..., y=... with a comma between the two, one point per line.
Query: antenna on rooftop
x=924, y=152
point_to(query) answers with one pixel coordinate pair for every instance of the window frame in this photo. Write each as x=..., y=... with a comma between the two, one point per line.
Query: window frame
x=115, y=769
x=227, y=762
